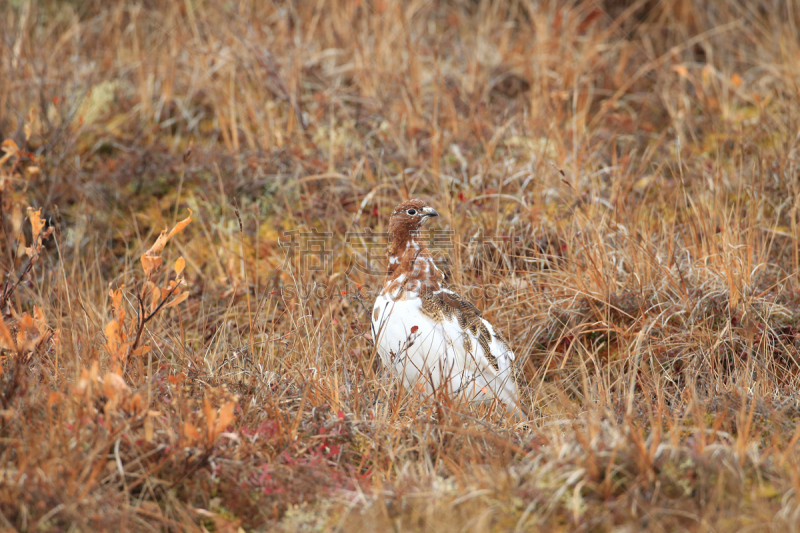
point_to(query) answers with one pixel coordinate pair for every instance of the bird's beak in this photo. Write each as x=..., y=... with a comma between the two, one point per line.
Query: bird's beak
x=429, y=212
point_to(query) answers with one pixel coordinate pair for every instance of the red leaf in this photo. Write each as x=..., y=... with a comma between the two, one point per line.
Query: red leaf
x=414, y=329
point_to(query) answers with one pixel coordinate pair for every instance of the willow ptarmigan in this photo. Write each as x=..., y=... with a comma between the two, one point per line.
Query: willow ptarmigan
x=429, y=336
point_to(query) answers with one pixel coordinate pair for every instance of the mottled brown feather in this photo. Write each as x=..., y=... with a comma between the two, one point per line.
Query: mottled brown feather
x=410, y=258
x=442, y=306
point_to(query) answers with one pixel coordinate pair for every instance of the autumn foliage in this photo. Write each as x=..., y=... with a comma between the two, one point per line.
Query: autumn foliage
x=192, y=197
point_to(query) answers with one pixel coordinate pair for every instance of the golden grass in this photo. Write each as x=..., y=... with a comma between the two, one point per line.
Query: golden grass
x=619, y=190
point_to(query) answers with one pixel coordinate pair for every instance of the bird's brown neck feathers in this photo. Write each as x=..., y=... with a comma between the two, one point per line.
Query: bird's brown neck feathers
x=410, y=265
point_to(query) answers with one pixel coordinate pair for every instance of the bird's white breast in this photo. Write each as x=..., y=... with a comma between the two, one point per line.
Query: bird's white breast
x=425, y=354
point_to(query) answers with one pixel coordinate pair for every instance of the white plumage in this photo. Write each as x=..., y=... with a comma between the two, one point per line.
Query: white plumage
x=434, y=354
x=428, y=336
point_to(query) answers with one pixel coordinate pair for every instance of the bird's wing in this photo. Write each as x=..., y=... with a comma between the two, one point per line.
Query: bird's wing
x=483, y=350
x=479, y=337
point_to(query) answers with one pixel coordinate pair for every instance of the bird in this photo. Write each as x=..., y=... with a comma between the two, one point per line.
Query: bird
x=428, y=335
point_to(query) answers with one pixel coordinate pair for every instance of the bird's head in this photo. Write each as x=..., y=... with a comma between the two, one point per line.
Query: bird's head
x=409, y=217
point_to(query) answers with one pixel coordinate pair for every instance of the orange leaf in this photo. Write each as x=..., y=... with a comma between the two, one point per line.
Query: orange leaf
x=37, y=222
x=180, y=225
x=116, y=302
x=28, y=335
x=179, y=299
x=180, y=264
x=53, y=398
x=38, y=317
x=114, y=341
x=736, y=80
x=225, y=416
x=150, y=259
x=682, y=71
x=177, y=379
x=150, y=263
x=155, y=295
x=158, y=246
x=141, y=350
x=190, y=431
x=10, y=148
x=6, y=340
x=165, y=293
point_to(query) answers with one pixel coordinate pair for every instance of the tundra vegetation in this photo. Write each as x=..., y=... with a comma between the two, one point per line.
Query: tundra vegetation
x=193, y=199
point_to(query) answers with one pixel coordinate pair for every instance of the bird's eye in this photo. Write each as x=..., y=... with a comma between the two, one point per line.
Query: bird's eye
x=412, y=212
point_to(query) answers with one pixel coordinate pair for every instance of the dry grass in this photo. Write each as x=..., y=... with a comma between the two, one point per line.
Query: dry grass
x=627, y=188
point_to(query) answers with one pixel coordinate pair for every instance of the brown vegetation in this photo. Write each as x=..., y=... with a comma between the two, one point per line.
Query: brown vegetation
x=626, y=187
